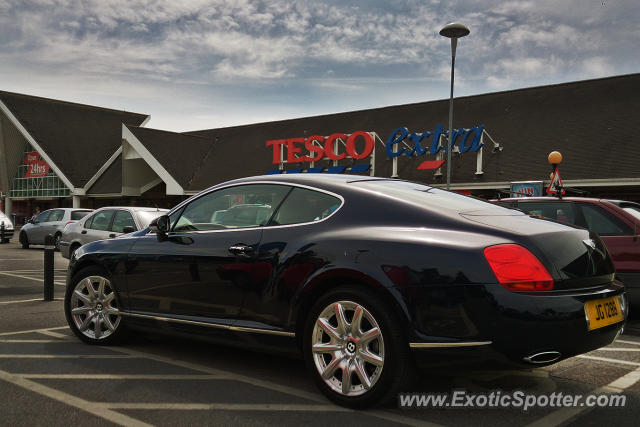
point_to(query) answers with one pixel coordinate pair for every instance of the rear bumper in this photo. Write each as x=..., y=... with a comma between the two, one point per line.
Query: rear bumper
x=631, y=281
x=488, y=322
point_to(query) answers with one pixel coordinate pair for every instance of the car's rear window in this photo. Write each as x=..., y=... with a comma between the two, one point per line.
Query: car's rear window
x=76, y=215
x=424, y=195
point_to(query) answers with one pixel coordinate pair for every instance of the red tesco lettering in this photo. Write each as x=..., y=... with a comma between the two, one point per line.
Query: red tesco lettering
x=318, y=147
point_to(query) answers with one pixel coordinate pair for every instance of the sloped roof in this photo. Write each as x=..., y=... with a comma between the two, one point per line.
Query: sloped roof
x=110, y=182
x=78, y=138
x=594, y=123
x=181, y=155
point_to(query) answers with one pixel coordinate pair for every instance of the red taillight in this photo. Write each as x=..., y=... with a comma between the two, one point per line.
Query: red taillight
x=518, y=269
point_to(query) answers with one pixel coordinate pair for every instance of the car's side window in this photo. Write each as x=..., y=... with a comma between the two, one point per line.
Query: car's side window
x=100, y=221
x=304, y=205
x=560, y=211
x=77, y=215
x=42, y=217
x=242, y=206
x=604, y=223
x=121, y=220
x=56, y=215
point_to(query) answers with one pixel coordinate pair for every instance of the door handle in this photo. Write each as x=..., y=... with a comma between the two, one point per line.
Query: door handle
x=84, y=232
x=240, y=249
x=112, y=235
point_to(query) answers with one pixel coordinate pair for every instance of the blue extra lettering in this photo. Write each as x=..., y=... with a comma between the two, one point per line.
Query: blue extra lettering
x=396, y=137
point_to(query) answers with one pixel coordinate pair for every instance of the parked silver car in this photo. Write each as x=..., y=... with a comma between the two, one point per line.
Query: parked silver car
x=8, y=228
x=106, y=223
x=51, y=221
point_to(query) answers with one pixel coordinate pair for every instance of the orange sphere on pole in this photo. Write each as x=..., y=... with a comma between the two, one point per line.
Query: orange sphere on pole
x=555, y=158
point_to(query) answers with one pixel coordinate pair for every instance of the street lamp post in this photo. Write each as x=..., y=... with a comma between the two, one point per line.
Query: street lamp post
x=453, y=31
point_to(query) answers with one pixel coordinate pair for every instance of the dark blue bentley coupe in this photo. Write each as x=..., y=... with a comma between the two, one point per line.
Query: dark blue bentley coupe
x=363, y=276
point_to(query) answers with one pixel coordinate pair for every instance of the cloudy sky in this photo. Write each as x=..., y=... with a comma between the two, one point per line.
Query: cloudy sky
x=196, y=64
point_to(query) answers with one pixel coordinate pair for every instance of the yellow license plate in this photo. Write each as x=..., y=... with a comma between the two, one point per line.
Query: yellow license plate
x=603, y=312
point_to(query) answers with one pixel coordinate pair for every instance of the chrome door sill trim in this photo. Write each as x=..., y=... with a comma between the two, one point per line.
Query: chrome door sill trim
x=211, y=325
x=448, y=344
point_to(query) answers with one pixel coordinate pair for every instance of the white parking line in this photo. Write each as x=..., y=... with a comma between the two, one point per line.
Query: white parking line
x=67, y=356
x=265, y=384
x=4, y=334
x=30, y=341
x=606, y=359
x=226, y=407
x=618, y=349
x=68, y=399
x=53, y=334
x=31, y=278
x=628, y=342
x=120, y=377
x=562, y=416
x=28, y=300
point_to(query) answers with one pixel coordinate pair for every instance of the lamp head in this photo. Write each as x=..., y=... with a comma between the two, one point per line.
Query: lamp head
x=454, y=30
x=555, y=158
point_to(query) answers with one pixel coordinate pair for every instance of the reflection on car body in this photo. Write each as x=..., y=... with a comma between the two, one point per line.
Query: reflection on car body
x=359, y=275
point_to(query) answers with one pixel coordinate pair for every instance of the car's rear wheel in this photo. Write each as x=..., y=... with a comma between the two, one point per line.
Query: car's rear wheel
x=73, y=249
x=57, y=238
x=92, y=309
x=24, y=241
x=355, y=348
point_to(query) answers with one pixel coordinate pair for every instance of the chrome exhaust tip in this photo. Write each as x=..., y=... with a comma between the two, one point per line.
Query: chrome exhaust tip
x=542, y=358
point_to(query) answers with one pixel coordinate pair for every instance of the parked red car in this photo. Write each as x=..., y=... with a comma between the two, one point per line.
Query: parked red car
x=616, y=221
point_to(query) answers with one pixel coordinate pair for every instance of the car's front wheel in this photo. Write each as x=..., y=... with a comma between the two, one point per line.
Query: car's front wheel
x=355, y=348
x=92, y=309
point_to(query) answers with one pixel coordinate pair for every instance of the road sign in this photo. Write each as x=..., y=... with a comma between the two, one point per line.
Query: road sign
x=556, y=184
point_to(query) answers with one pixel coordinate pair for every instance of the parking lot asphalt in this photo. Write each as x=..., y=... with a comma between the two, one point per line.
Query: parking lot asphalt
x=48, y=377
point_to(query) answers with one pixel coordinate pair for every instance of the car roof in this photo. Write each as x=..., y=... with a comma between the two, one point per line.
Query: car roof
x=134, y=208
x=550, y=199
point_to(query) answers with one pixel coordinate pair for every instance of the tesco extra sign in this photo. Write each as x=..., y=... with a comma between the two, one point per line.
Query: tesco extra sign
x=320, y=147
x=361, y=144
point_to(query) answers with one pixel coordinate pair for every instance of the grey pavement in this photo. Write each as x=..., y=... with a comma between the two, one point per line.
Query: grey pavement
x=48, y=377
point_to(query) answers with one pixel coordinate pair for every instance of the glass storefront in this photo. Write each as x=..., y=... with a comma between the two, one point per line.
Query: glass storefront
x=34, y=179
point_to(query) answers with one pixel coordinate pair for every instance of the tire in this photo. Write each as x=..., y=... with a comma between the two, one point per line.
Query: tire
x=57, y=238
x=93, y=316
x=24, y=241
x=370, y=382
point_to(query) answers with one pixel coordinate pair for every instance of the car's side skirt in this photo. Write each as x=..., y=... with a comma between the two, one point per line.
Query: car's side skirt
x=210, y=324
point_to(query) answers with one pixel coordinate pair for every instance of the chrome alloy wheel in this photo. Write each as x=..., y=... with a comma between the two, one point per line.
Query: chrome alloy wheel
x=347, y=347
x=94, y=308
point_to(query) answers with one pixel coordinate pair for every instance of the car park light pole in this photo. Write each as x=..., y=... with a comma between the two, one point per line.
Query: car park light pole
x=453, y=31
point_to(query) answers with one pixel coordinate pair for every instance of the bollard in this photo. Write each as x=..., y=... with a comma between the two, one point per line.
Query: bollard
x=2, y=232
x=49, y=248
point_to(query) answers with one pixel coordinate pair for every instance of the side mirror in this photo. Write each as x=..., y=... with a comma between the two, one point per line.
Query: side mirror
x=128, y=229
x=160, y=225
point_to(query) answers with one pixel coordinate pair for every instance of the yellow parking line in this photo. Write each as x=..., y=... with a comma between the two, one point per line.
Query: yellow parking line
x=68, y=399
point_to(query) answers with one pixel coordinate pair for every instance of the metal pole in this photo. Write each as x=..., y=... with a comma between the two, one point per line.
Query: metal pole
x=2, y=232
x=450, y=136
x=49, y=247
